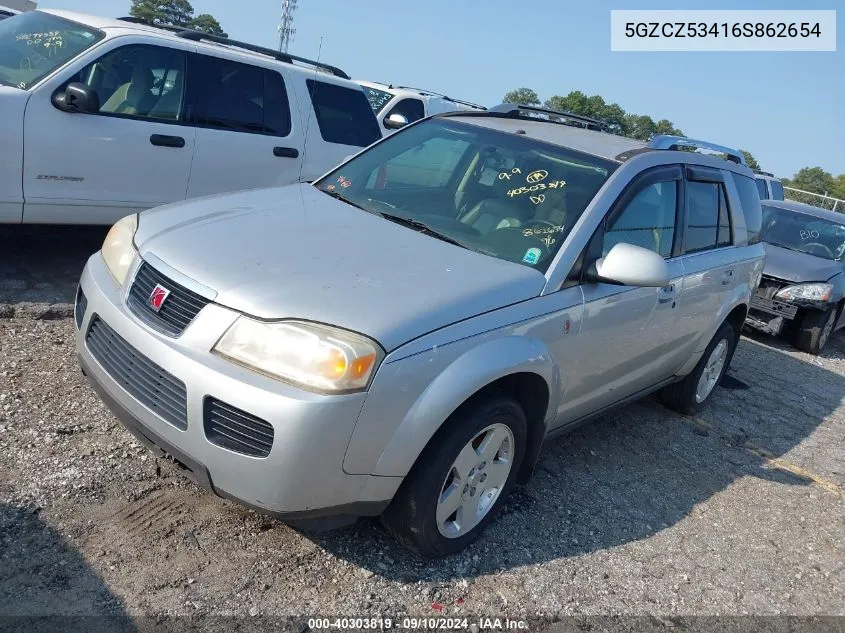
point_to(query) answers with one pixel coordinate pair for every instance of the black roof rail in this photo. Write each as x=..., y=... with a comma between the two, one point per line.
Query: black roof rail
x=199, y=36
x=669, y=142
x=439, y=94
x=517, y=110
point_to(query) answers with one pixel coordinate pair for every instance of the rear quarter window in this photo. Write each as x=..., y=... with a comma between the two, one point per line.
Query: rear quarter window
x=749, y=198
x=777, y=190
x=344, y=115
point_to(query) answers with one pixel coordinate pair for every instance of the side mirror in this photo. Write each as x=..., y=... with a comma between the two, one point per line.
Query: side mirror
x=77, y=97
x=633, y=266
x=395, y=121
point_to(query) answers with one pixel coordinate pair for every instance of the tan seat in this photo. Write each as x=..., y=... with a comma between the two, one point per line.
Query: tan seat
x=134, y=97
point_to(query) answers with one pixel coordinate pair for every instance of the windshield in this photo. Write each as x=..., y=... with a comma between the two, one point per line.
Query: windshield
x=377, y=98
x=34, y=44
x=501, y=194
x=803, y=233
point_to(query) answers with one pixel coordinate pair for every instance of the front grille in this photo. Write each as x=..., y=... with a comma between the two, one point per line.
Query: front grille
x=177, y=311
x=149, y=384
x=236, y=430
x=80, y=307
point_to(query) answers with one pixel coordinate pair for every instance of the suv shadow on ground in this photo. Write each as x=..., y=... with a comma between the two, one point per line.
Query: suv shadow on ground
x=635, y=472
x=42, y=264
x=46, y=585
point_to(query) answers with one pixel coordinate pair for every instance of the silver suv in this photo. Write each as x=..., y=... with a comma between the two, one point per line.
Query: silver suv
x=400, y=337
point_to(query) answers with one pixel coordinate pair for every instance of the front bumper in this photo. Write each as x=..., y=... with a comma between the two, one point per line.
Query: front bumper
x=770, y=316
x=302, y=477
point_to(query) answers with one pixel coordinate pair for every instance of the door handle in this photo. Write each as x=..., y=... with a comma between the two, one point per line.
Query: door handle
x=163, y=140
x=285, y=152
x=666, y=293
x=727, y=277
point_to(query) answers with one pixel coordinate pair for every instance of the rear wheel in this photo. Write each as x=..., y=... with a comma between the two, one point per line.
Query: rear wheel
x=461, y=479
x=690, y=394
x=814, y=330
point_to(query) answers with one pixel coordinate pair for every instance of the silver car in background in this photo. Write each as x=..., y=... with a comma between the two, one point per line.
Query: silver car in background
x=401, y=337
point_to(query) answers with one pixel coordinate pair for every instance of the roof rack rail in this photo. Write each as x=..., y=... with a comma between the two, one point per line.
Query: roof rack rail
x=439, y=94
x=763, y=173
x=516, y=110
x=199, y=36
x=666, y=141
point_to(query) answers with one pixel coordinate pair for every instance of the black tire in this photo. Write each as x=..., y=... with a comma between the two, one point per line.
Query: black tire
x=680, y=396
x=411, y=516
x=812, y=334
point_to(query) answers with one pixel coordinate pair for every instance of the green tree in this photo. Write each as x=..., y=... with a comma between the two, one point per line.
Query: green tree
x=173, y=12
x=813, y=179
x=524, y=96
x=592, y=106
x=750, y=160
x=838, y=190
x=207, y=24
x=639, y=126
x=620, y=122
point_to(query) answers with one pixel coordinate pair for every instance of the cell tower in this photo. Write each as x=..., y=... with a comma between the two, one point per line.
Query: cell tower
x=286, y=30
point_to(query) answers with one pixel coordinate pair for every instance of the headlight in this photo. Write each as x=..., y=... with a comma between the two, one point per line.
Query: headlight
x=316, y=357
x=805, y=292
x=119, y=248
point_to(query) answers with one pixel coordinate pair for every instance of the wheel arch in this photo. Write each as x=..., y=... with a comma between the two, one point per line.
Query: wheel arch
x=532, y=392
x=515, y=366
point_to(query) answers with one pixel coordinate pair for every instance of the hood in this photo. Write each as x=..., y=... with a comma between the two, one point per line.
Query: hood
x=798, y=267
x=295, y=252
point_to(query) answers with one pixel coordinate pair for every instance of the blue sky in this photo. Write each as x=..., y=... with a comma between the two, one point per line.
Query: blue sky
x=788, y=109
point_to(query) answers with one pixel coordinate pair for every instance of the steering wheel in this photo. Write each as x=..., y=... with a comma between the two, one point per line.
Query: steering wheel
x=826, y=249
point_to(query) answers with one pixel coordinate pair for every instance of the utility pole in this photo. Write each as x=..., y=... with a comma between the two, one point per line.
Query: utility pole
x=286, y=30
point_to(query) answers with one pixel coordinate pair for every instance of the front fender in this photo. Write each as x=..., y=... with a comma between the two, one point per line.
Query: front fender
x=411, y=398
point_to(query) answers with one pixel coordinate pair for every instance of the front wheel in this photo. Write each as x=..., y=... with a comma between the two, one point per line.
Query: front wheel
x=690, y=394
x=814, y=330
x=461, y=480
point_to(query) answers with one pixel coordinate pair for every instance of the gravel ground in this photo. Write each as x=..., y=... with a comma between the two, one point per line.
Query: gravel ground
x=736, y=511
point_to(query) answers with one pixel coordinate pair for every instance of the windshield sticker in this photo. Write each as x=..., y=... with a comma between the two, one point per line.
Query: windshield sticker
x=344, y=182
x=507, y=175
x=806, y=235
x=555, y=184
x=330, y=188
x=532, y=256
x=546, y=230
x=536, y=176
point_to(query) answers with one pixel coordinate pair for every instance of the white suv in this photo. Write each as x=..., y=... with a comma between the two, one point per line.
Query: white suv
x=397, y=106
x=102, y=117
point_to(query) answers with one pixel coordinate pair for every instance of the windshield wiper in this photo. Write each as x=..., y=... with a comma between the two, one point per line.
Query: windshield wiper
x=336, y=195
x=422, y=227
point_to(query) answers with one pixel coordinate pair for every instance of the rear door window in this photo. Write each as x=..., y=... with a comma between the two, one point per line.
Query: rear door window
x=749, y=198
x=761, y=188
x=344, y=115
x=702, y=205
x=238, y=97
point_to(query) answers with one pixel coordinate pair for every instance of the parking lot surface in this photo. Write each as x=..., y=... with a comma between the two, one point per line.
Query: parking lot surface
x=738, y=510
